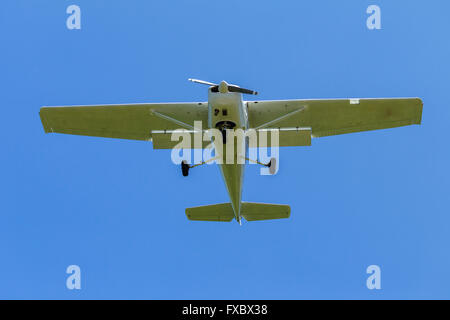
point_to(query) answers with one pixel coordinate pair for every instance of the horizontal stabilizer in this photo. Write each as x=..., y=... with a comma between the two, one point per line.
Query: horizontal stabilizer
x=249, y=210
x=215, y=212
x=264, y=211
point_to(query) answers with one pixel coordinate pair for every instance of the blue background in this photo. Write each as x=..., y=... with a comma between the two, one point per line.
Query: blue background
x=116, y=207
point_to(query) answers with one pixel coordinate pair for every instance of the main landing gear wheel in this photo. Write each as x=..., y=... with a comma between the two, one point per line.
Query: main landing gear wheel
x=184, y=168
x=272, y=165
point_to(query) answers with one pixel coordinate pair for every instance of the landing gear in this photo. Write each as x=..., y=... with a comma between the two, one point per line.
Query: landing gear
x=185, y=168
x=223, y=126
x=224, y=136
x=272, y=165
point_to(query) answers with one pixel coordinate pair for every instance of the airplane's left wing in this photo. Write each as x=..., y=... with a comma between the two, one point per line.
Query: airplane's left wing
x=130, y=121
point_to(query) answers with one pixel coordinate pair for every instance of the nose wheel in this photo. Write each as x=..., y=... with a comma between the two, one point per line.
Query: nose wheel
x=224, y=136
x=223, y=126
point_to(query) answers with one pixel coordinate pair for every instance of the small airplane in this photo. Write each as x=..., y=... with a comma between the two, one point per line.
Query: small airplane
x=297, y=121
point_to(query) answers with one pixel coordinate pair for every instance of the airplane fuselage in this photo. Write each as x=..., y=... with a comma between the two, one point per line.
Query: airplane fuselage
x=227, y=111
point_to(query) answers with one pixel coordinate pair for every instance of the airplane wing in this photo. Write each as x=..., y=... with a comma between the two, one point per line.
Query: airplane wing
x=332, y=116
x=127, y=121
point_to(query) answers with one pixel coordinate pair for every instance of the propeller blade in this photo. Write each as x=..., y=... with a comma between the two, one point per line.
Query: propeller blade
x=241, y=90
x=231, y=88
x=203, y=82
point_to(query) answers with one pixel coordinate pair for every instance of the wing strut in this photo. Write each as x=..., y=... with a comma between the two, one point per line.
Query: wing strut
x=178, y=122
x=287, y=115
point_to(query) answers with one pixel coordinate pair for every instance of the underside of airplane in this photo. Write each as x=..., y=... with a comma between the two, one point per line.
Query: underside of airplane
x=295, y=122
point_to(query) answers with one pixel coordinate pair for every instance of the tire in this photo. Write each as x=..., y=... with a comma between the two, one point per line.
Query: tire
x=184, y=168
x=273, y=166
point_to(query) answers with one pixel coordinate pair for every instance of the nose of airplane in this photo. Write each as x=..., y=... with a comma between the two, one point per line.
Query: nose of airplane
x=223, y=87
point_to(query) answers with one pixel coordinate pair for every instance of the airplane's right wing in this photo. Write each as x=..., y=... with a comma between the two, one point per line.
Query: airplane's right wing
x=327, y=117
x=131, y=121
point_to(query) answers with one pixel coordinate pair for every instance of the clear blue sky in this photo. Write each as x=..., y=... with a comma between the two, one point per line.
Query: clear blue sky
x=116, y=207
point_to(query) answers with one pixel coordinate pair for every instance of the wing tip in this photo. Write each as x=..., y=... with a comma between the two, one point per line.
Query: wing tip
x=419, y=116
x=45, y=125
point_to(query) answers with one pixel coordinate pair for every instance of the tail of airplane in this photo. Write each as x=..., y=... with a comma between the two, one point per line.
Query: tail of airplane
x=249, y=210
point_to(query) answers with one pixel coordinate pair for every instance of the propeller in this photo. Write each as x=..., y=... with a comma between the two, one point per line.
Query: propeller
x=224, y=87
x=203, y=82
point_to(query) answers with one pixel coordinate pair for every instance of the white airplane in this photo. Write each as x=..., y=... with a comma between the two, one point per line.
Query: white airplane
x=297, y=121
